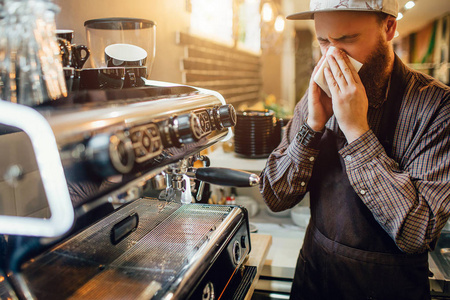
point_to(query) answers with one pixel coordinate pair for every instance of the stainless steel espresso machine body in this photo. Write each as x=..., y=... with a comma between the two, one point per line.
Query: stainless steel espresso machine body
x=116, y=168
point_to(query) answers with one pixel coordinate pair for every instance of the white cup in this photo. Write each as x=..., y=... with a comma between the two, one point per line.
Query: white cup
x=125, y=55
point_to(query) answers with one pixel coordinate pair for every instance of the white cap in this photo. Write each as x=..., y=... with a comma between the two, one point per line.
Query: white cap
x=389, y=7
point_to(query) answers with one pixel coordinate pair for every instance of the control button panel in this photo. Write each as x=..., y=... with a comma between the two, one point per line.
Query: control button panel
x=205, y=122
x=118, y=153
x=146, y=142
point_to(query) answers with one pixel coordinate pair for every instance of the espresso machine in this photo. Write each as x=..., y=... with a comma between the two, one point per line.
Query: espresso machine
x=121, y=217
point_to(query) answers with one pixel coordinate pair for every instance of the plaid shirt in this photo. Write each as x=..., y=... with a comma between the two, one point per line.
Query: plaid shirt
x=408, y=194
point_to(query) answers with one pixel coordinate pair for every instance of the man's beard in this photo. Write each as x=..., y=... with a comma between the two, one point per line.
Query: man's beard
x=374, y=73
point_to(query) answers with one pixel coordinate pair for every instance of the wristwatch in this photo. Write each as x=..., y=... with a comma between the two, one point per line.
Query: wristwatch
x=308, y=137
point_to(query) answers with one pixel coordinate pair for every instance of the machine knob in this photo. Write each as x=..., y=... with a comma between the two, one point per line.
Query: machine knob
x=237, y=252
x=208, y=292
x=224, y=116
x=186, y=129
x=111, y=154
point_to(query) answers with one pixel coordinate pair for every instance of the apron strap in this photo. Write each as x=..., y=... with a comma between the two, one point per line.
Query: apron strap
x=391, y=108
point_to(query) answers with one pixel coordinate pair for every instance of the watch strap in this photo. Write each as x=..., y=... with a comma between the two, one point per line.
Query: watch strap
x=308, y=137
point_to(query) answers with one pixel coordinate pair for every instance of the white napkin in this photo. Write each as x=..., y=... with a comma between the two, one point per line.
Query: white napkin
x=319, y=78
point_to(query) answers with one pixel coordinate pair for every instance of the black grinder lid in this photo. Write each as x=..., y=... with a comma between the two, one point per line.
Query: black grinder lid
x=119, y=23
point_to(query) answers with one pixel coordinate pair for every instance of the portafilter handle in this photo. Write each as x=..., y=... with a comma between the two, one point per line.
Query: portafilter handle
x=224, y=176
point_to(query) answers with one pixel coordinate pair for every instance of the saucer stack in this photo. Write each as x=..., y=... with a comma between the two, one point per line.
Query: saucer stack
x=253, y=133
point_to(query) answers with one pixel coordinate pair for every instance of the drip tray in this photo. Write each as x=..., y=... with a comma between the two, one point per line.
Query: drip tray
x=147, y=248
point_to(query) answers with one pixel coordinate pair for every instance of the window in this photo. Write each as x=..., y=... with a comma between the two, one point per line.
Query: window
x=213, y=19
x=233, y=22
x=249, y=33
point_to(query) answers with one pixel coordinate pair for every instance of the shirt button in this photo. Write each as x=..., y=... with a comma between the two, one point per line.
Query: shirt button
x=302, y=183
x=311, y=158
x=362, y=192
x=348, y=158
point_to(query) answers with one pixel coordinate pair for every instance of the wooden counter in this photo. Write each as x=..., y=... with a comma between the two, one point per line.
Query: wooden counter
x=260, y=248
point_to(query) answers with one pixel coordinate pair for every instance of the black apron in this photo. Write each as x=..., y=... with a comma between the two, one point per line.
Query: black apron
x=346, y=254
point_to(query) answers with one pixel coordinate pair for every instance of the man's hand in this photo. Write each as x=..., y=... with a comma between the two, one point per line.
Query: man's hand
x=350, y=103
x=319, y=104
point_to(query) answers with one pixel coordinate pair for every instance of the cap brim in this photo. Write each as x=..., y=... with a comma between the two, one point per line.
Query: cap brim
x=309, y=15
x=306, y=15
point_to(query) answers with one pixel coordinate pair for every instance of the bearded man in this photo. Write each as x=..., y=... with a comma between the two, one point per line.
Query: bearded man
x=374, y=156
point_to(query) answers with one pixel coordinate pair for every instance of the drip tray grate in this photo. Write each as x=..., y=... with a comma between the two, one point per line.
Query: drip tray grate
x=163, y=246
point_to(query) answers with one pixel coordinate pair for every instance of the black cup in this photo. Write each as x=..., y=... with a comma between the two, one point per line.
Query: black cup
x=102, y=78
x=72, y=55
x=65, y=50
x=66, y=34
x=134, y=77
x=125, y=55
x=80, y=54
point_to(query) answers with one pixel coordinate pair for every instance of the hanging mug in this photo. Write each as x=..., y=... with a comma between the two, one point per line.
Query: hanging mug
x=72, y=55
x=80, y=54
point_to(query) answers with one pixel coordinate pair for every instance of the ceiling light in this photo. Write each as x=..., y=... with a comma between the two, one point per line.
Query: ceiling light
x=400, y=16
x=410, y=4
x=267, y=12
x=279, y=24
